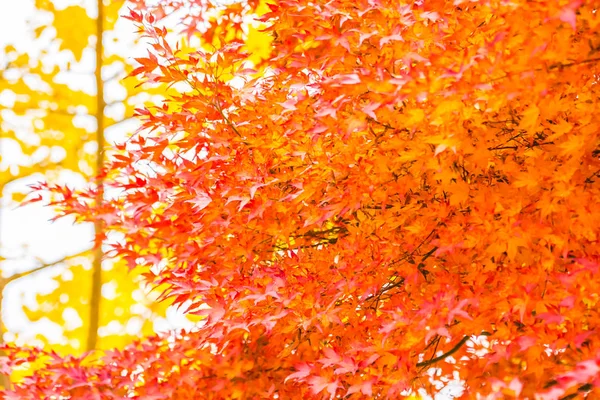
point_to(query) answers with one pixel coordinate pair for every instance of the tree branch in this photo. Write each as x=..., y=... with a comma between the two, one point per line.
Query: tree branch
x=12, y=179
x=21, y=108
x=445, y=355
x=114, y=76
x=20, y=275
x=4, y=379
x=559, y=66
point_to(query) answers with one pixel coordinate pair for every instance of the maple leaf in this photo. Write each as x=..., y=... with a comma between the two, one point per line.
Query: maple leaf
x=303, y=370
x=365, y=388
x=319, y=383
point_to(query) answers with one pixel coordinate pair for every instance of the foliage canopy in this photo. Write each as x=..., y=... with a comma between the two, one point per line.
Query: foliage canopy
x=393, y=187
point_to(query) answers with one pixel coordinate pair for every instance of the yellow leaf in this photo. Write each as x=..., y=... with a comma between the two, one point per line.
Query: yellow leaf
x=572, y=145
x=562, y=127
x=527, y=179
x=73, y=27
x=27, y=369
x=443, y=109
x=112, y=12
x=18, y=197
x=263, y=8
x=460, y=193
x=415, y=116
x=258, y=44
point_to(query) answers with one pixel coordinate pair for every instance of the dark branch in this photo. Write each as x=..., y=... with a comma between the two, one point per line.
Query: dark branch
x=445, y=355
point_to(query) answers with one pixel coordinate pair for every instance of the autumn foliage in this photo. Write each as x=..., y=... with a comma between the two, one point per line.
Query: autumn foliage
x=392, y=188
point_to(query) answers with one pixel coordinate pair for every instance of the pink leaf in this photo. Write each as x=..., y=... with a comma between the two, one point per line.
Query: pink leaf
x=431, y=16
x=303, y=370
x=439, y=149
x=318, y=383
x=568, y=302
x=567, y=14
x=516, y=386
x=349, y=79
x=526, y=342
x=331, y=357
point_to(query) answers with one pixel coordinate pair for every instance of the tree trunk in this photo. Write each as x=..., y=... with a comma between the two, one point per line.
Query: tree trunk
x=96, y=294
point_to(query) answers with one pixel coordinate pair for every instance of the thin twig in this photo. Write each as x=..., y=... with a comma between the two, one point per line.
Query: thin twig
x=549, y=68
x=20, y=275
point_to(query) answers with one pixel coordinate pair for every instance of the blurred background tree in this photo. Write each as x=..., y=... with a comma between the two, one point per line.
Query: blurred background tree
x=63, y=100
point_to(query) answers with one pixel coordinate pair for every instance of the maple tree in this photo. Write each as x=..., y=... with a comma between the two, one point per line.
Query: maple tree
x=51, y=95
x=395, y=191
